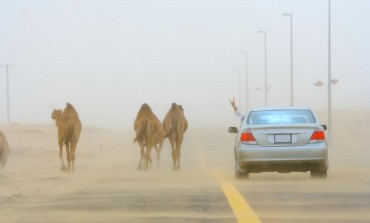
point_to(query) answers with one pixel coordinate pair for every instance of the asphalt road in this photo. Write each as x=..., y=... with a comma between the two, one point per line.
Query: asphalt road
x=107, y=187
x=343, y=197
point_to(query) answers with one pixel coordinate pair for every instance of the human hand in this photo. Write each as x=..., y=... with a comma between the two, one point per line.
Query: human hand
x=232, y=102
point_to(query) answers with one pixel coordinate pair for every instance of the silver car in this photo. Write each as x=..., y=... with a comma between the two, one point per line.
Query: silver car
x=280, y=139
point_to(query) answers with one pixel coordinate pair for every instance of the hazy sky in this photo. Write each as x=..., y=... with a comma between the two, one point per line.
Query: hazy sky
x=107, y=57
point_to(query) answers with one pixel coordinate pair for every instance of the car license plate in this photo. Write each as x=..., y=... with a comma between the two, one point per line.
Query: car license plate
x=283, y=138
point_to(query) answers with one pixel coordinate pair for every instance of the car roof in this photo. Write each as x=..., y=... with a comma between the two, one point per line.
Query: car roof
x=268, y=108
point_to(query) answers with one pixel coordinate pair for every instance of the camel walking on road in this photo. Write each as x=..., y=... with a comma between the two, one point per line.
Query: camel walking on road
x=175, y=124
x=4, y=150
x=69, y=129
x=149, y=134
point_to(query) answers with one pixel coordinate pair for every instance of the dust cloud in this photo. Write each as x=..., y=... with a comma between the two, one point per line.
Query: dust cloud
x=107, y=187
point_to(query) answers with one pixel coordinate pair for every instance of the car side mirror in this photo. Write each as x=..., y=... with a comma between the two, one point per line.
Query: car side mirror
x=324, y=127
x=233, y=130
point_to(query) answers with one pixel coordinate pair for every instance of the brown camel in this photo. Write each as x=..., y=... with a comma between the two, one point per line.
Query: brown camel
x=175, y=124
x=4, y=150
x=149, y=134
x=69, y=129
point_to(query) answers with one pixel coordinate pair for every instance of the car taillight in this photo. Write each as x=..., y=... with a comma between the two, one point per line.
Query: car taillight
x=247, y=137
x=318, y=135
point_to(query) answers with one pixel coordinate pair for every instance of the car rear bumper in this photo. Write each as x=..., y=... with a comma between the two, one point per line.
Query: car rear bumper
x=283, y=159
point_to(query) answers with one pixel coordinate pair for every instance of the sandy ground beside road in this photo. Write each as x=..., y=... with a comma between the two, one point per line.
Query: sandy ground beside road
x=107, y=187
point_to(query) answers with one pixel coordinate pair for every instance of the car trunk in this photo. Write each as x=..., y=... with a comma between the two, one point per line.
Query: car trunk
x=288, y=135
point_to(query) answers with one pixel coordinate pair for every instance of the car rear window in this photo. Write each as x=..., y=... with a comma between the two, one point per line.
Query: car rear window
x=280, y=117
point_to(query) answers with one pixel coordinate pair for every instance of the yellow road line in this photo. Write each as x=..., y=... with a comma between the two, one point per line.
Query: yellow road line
x=242, y=211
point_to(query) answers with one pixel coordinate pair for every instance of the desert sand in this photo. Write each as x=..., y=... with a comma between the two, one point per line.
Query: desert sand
x=107, y=187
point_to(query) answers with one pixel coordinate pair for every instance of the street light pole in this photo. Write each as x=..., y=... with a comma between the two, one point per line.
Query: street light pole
x=246, y=80
x=265, y=34
x=329, y=72
x=7, y=89
x=291, y=56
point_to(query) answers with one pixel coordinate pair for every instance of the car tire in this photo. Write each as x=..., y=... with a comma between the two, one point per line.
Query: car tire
x=318, y=173
x=240, y=174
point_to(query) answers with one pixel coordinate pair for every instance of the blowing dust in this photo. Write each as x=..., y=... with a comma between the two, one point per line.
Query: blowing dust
x=106, y=184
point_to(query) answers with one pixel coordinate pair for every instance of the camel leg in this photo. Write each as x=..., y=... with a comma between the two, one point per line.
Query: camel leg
x=176, y=159
x=142, y=156
x=148, y=159
x=145, y=164
x=68, y=157
x=159, y=149
x=177, y=162
x=178, y=151
x=157, y=152
x=173, y=153
x=73, y=152
x=4, y=152
x=63, y=167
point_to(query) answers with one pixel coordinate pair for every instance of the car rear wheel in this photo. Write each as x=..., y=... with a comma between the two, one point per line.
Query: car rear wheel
x=240, y=173
x=317, y=173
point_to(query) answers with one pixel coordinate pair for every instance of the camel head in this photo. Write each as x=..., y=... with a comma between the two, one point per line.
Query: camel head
x=176, y=107
x=56, y=114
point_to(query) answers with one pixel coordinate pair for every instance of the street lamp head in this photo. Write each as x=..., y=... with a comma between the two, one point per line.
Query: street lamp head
x=7, y=65
x=287, y=14
x=334, y=81
x=319, y=83
x=262, y=31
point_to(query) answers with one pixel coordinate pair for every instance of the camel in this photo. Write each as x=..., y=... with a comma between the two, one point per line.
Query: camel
x=69, y=129
x=175, y=124
x=149, y=134
x=4, y=150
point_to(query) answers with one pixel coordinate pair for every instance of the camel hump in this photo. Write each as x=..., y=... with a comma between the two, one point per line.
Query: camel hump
x=69, y=108
x=145, y=108
x=69, y=105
